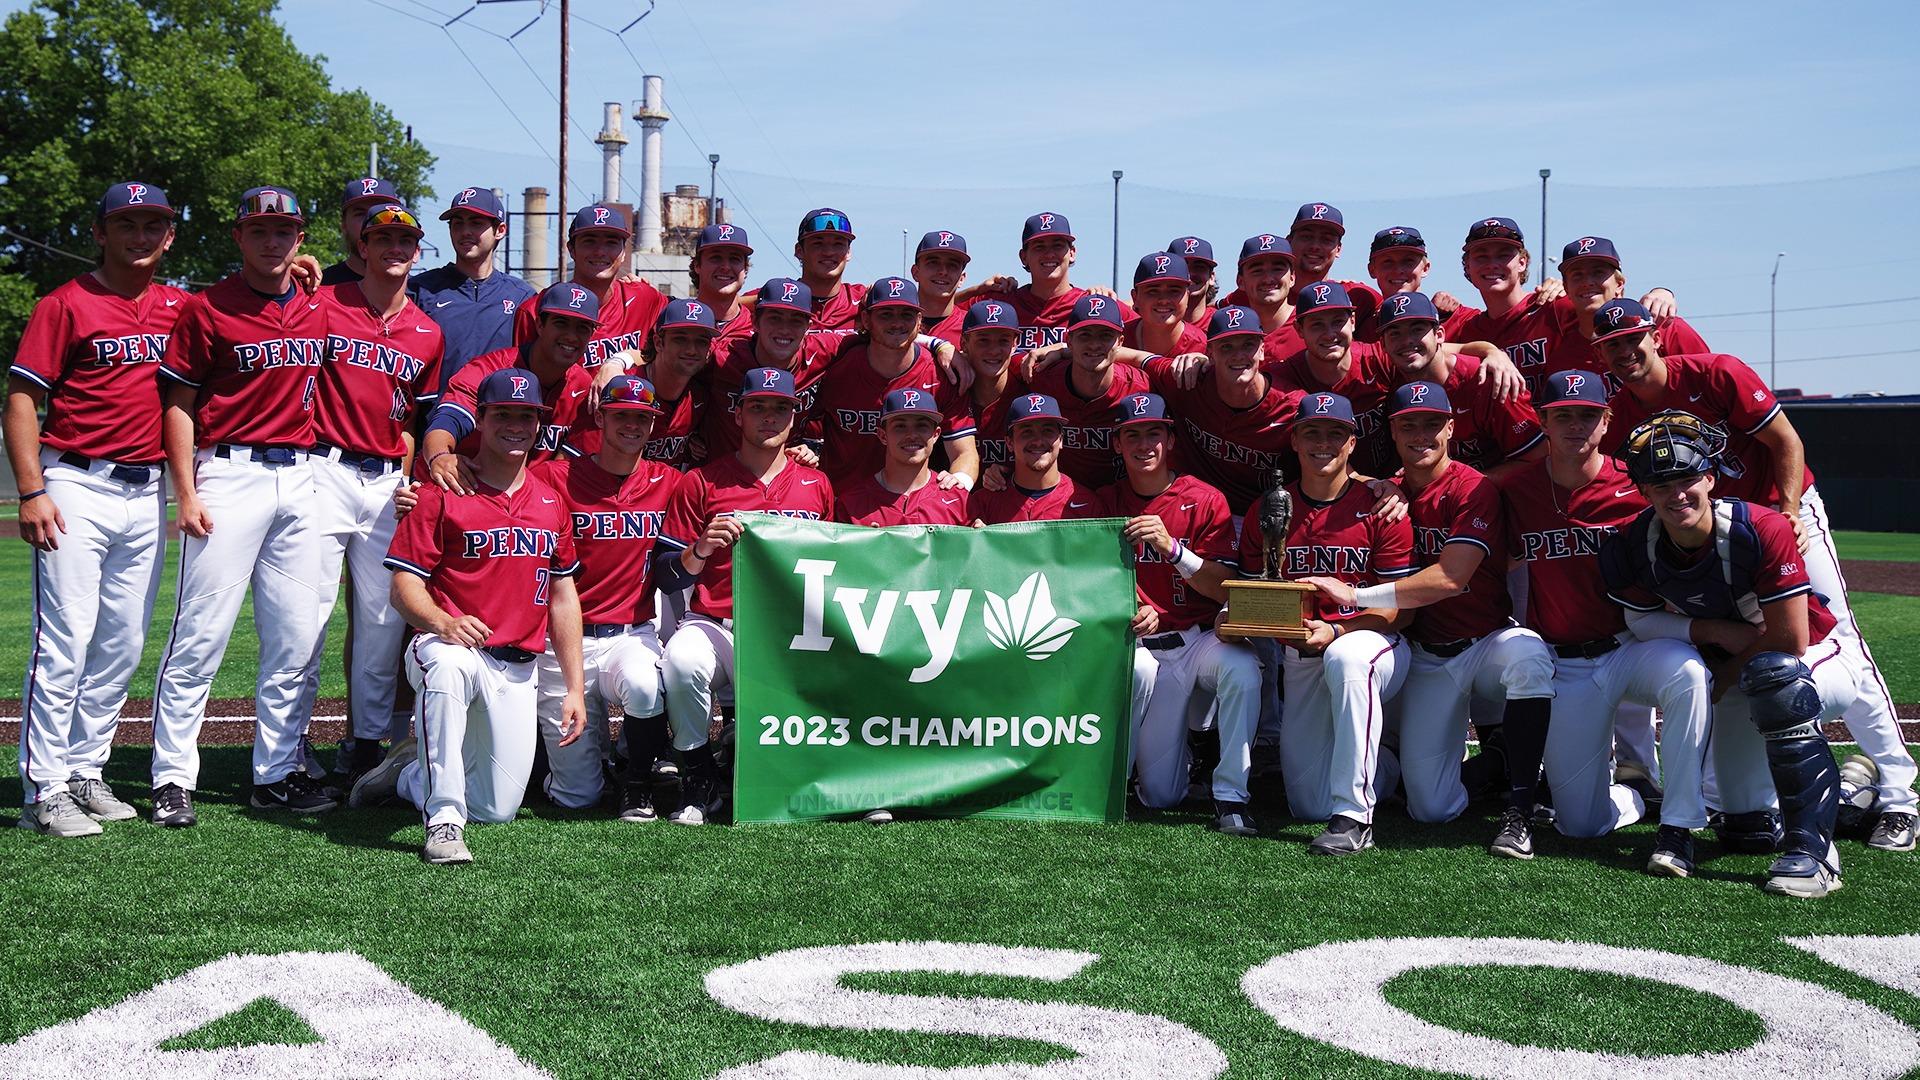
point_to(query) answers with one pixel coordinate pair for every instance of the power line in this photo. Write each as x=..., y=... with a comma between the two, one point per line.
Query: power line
x=1814, y=307
x=1821, y=328
x=1852, y=356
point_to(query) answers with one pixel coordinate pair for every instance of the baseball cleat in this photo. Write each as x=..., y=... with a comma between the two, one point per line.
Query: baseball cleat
x=446, y=845
x=1638, y=778
x=382, y=782
x=1515, y=838
x=1893, y=832
x=700, y=800
x=1799, y=874
x=1751, y=832
x=1672, y=853
x=882, y=816
x=297, y=792
x=1344, y=836
x=636, y=803
x=666, y=767
x=358, y=758
x=1859, y=794
x=173, y=807
x=98, y=801
x=1232, y=819
x=58, y=815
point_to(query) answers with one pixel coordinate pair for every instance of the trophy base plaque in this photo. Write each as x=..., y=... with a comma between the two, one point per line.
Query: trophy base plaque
x=1269, y=609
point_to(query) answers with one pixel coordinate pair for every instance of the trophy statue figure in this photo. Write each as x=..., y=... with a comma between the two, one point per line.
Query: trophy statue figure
x=1268, y=606
x=1276, y=514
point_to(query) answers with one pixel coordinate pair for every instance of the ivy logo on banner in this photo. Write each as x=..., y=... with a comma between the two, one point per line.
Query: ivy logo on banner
x=1026, y=622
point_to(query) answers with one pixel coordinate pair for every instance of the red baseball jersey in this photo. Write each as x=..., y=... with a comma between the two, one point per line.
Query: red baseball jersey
x=1193, y=339
x=1527, y=334
x=946, y=327
x=378, y=373
x=627, y=315
x=491, y=555
x=866, y=501
x=1558, y=534
x=1061, y=502
x=1450, y=326
x=849, y=409
x=1043, y=321
x=724, y=486
x=1196, y=514
x=1342, y=539
x=1462, y=506
x=615, y=521
x=1089, y=453
x=722, y=383
x=1232, y=449
x=1486, y=430
x=88, y=347
x=990, y=428
x=254, y=362
x=1573, y=350
x=732, y=330
x=1366, y=384
x=1721, y=390
x=567, y=397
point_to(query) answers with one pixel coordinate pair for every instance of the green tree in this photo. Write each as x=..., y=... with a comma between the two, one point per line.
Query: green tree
x=205, y=98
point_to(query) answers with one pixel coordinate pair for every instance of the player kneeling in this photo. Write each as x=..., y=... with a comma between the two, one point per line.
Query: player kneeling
x=1182, y=535
x=1338, y=680
x=484, y=578
x=1727, y=575
x=618, y=501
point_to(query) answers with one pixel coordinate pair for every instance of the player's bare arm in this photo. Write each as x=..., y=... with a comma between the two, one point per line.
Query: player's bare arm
x=1496, y=369
x=448, y=469
x=177, y=438
x=1789, y=469
x=963, y=459
x=563, y=627
x=1146, y=621
x=40, y=520
x=1441, y=581
x=410, y=598
x=721, y=533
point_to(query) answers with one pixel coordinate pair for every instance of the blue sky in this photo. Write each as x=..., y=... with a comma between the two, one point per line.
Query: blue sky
x=1701, y=138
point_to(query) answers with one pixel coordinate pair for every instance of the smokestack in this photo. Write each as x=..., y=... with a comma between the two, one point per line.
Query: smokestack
x=539, y=268
x=612, y=144
x=652, y=114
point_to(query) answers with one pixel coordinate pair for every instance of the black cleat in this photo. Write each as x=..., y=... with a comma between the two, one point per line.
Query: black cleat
x=636, y=803
x=298, y=793
x=700, y=800
x=1232, y=818
x=1672, y=853
x=1893, y=832
x=173, y=807
x=1515, y=839
x=1344, y=836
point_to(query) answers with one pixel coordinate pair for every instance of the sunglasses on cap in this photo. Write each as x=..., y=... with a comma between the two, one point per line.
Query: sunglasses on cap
x=269, y=202
x=392, y=215
x=629, y=393
x=827, y=223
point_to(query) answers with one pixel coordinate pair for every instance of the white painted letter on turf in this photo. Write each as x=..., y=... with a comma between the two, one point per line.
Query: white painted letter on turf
x=1890, y=960
x=1332, y=993
x=802, y=986
x=369, y=1025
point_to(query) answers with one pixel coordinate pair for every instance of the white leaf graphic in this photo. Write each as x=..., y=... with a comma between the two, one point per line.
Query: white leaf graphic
x=1028, y=621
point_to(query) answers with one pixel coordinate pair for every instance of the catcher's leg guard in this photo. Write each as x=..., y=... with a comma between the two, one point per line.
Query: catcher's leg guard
x=1786, y=709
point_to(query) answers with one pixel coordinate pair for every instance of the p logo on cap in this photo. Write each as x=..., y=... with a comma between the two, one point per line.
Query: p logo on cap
x=578, y=298
x=136, y=194
x=769, y=378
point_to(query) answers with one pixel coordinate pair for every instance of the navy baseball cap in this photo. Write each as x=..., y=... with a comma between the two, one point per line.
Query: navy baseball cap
x=1503, y=229
x=270, y=203
x=1406, y=307
x=1618, y=318
x=826, y=220
x=475, y=200
x=367, y=188
x=391, y=215
x=1142, y=409
x=1045, y=223
x=1319, y=211
x=893, y=292
x=1399, y=236
x=1091, y=310
x=721, y=236
x=511, y=386
x=1419, y=397
x=1265, y=244
x=1233, y=321
x=785, y=292
x=1590, y=247
x=1322, y=296
x=683, y=312
x=599, y=217
x=909, y=401
x=768, y=382
x=1323, y=406
x=1160, y=266
x=1582, y=388
x=570, y=300
x=990, y=315
x=942, y=240
x=1192, y=248
x=1028, y=407
x=630, y=392
x=133, y=195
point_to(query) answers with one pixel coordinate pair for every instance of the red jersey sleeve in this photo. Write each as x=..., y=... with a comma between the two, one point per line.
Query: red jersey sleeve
x=189, y=356
x=1679, y=338
x=1516, y=426
x=42, y=353
x=686, y=513
x=1750, y=405
x=426, y=386
x=1213, y=531
x=956, y=411
x=1479, y=518
x=416, y=546
x=1160, y=376
x=1392, y=548
x=1781, y=571
x=566, y=554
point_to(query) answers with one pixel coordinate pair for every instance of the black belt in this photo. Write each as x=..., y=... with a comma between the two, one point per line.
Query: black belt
x=265, y=455
x=367, y=463
x=1586, y=650
x=137, y=475
x=605, y=629
x=1163, y=642
x=510, y=654
x=1446, y=650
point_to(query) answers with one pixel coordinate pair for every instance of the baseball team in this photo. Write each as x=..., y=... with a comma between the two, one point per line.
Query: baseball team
x=1556, y=515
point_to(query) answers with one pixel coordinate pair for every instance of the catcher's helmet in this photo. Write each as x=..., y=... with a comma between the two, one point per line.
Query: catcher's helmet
x=1672, y=445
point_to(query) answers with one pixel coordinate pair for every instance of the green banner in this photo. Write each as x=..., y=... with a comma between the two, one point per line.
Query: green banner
x=940, y=671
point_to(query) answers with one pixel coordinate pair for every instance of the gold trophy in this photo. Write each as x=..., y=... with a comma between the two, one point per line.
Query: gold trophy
x=1267, y=606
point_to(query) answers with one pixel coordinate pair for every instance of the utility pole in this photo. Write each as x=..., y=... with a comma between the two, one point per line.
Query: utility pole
x=713, y=189
x=1117, y=174
x=1541, y=280
x=1773, y=353
x=373, y=159
x=566, y=56
x=903, y=253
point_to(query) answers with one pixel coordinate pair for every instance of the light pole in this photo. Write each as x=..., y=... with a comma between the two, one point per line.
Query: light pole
x=1117, y=174
x=713, y=192
x=903, y=253
x=1542, y=278
x=1773, y=356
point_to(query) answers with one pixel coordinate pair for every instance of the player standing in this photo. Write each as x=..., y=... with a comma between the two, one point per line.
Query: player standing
x=989, y=335
x=1089, y=388
x=1202, y=283
x=722, y=256
x=1159, y=324
x=1263, y=281
x=781, y=314
x=696, y=549
x=1492, y=434
x=601, y=247
x=1594, y=277
x=824, y=248
x=939, y=268
x=677, y=356
x=485, y=578
x=1315, y=238
x=91, y=504
x=904, y=491
x=1037, y=489
x=1398, y=261
x=354, y=200
x=241, y=369
x=473, y=301
x=1045, y=305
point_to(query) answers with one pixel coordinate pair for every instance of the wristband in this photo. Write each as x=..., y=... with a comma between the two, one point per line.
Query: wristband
x=962, y=481
x=1338, y=629
x=31, y=495
x=431, y=458
x=1186, y=560
x=1376, y=596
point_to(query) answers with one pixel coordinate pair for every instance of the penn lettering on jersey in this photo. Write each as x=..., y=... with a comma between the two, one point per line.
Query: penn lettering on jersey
x=1222, y=450
x=600, y=348
x=1429, y=541
x=1528, y=354
x=279, y=353
x=513, y=540
x=1323, y=560
x=1033, y=337
x=665, y=449
x=1087, y=438
x=1577, y=542
x=374, y=356
x=132, y=349
x=618, y=524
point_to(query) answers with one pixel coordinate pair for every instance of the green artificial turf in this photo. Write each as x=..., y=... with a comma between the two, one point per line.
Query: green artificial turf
x=1878, y=546
x=1892, y=628
x=582, y=943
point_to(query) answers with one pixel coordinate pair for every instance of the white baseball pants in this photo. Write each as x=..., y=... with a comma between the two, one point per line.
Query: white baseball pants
x=355, y=523
x=1587, y=693
x=1204, y=668
x=1330, y=743
x=475, y=717
x=697, y=664
x=1430, y=712
x=622, y=679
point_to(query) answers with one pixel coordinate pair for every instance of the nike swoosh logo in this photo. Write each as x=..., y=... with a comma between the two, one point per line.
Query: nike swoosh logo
x=1361, y=513
x=170, y=303
x=442, y=303
x=654, y=479
x=421, y=330
x=1623, y=493
x=1075, y=505
x=949, y=502
x=577, y=393
x=808, y=483
x=928, y=385
x=546, y=502
x=1695, y=397
x=1275, y=424
x=313, y=305
x=1188, y=506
